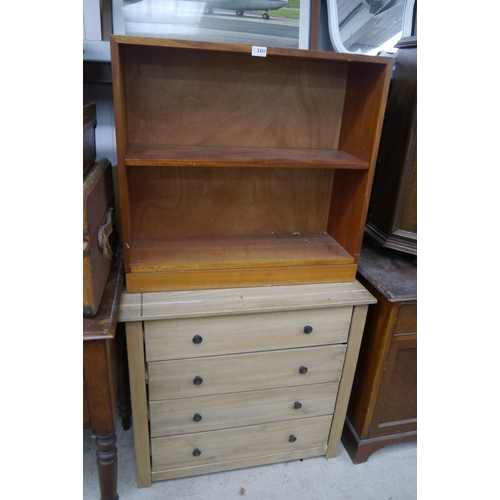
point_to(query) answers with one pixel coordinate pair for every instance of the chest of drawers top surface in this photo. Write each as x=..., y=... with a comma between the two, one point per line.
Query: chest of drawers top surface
x=202, y=303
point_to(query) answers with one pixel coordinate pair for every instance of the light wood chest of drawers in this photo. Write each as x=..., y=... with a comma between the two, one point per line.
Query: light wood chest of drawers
x=224, y=379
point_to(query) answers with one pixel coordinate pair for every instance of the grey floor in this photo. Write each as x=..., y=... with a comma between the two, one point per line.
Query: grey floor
x=389, y=474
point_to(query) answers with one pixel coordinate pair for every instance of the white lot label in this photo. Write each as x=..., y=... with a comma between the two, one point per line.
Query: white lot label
x=259, y=51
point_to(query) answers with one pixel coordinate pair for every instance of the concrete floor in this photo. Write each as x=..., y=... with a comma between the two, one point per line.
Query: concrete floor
x=389, y=474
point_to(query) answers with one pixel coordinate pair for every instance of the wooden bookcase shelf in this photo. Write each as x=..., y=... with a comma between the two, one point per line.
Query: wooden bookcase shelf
x=237, y=170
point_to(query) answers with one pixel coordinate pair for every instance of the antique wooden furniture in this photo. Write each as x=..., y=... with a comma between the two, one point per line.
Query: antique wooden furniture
x=99, y=238
x=230, y=378
x=392, y=216
x=383, y=405
x=105, y=379
x=237, y=169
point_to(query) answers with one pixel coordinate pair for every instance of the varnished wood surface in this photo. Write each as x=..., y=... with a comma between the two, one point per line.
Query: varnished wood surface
x=226, y=99
x=251, y=441
x=392, y=220
x=170, y=417
x=206, y=303
x=235, y=278
x=199, y=201
x=383, y=404
x=244, y=372
x=174, y=338
x=231, y=156
x=186, y=253
x=392, y=273
x=103, y=325
x=186, y=96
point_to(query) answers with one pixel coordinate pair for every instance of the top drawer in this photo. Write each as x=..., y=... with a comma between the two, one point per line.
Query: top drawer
x=216, y=335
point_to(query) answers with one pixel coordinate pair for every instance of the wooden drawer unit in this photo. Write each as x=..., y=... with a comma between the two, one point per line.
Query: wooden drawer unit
x=383, y=405
x=223, y=379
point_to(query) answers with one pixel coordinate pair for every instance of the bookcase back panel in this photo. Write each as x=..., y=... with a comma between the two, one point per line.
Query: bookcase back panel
x=177, y=97
x=207, y=201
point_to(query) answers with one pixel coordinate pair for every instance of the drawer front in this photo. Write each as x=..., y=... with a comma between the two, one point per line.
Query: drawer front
x=204, y=413
x=239, y=443
x=406, y=321
x=193, y=337
x=244, y=372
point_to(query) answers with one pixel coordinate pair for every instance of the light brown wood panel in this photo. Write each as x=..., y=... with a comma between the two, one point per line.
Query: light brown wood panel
x=242, y=157
x=238, y=463
x=174, y=338
x=251, y=441
x=365, y=103
x=235, y=278
x=212, y=201
x=228, y=102
x=188, y=253
x=244, y=372
x=195, y=303
x=349, y=369
x=176, y=416
x=135, y=349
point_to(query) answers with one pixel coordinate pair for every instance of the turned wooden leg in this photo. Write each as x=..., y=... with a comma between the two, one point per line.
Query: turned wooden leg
x=124, y=406
x=107, y=465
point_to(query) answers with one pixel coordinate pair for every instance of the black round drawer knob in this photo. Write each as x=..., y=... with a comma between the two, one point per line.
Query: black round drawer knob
x=196, y=452
x=297, y=405
x=197, y=339
x=197, y=380
x=308, y=329
x=197, y=417
x=292, y=439
x=302, y=370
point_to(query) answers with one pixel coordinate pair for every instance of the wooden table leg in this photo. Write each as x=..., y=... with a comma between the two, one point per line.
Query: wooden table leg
x=107, y=465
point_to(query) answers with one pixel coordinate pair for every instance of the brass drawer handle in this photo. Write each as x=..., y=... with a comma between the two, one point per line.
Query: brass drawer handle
x=303, y=370
x=292, y=439
x=196, y=452
x=297, y=405
x=197, y=417
x=197, y=380
x=197, y=339
x=308, y=329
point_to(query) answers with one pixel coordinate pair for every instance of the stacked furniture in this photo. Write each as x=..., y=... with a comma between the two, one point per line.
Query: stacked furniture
x=244, y=176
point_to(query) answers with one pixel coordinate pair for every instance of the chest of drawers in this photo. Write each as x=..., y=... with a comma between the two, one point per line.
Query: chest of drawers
x=224, y=379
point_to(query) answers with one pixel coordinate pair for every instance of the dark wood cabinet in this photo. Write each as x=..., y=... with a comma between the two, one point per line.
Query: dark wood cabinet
x=383, y=405
x=392, y=216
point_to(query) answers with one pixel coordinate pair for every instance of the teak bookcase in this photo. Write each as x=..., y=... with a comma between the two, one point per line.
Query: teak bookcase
x=236, y=170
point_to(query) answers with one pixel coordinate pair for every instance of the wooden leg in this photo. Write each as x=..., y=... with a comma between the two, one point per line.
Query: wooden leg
x=107, y=465
x=124, y=406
